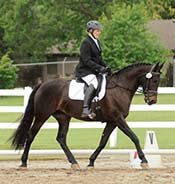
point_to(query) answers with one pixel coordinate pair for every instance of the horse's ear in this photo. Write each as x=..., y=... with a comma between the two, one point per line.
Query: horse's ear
x=158, y=67
x=154, y=67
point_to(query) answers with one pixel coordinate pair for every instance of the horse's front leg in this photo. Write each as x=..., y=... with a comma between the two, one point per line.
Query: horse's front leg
x=106, y=133
x=61, y=138
x=123, y=126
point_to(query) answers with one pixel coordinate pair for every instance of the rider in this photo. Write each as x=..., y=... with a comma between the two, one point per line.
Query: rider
x=90, y=65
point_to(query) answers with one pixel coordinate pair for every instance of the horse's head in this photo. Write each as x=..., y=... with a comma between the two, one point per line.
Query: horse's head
x=150, y=82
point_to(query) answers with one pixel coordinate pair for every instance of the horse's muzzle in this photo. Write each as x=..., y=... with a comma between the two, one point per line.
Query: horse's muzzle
x=150, y=99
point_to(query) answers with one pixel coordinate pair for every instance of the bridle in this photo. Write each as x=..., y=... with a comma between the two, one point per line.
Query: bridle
x=147, y=92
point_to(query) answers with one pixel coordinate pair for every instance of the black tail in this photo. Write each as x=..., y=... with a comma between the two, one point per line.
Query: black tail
x=20, y=135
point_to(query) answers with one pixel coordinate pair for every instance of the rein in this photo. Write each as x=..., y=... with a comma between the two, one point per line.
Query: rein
x=127, y=89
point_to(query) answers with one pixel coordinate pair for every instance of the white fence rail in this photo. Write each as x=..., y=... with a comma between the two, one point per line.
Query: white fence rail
x=96, y=124
x=113, y=138
x=15, y=92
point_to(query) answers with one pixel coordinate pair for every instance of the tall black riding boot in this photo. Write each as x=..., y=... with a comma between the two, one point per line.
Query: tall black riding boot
x=89, y=94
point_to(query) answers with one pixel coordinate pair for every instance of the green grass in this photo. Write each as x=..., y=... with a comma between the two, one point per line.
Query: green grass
x=10, y=117
x=46, y=139
x=89, y=139
x=138, y=99
x=133, y=116
x=11, y=101
x=151, y=116
x=15, y=117
x=161, y=99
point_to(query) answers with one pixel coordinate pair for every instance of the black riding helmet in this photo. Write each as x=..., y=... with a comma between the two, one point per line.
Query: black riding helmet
x=92, y=25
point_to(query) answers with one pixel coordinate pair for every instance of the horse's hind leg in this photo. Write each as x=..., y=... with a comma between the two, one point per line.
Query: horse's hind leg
x=31, y=135
x=64, y=121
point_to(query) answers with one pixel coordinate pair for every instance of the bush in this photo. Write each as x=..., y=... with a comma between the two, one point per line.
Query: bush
x=8, y=73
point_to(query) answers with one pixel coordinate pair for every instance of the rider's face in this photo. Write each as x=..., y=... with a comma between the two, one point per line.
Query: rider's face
x=96, y=33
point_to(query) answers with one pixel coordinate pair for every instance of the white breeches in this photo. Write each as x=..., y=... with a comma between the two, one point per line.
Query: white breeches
x=91, y=79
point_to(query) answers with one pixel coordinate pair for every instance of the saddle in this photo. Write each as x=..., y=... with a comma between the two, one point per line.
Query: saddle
x=77, y=89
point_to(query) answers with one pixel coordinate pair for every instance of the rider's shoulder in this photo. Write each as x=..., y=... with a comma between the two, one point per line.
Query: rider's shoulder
x=86, y=42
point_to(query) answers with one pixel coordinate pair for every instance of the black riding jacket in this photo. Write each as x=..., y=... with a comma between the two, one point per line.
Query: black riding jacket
x=90, y=58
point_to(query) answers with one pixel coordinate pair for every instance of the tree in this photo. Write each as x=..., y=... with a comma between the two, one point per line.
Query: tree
x=3, y=47
x=157, y=9
x=8, y=73
x=126, y=38
x=31, y=27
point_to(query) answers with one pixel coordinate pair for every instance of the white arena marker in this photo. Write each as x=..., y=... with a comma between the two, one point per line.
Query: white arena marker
x=154, y=161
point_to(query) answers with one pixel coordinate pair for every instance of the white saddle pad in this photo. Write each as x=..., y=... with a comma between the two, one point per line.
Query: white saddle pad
x=76, y=90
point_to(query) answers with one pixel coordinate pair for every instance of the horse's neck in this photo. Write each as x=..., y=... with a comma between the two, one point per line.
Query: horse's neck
x=137, y=72
x=130, y=79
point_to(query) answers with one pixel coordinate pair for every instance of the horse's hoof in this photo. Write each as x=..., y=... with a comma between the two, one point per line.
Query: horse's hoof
x=89, y=167
x=23, y=165
x=75, y=167
x=144, y=165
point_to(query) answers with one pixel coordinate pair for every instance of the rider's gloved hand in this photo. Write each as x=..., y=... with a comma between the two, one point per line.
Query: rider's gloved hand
x=109, y=70
x=103, y=70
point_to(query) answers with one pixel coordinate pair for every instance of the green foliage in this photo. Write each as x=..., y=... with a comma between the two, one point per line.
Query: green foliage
x=126, y=38
x=8, y=73
x=157, y=9
x=31, y=27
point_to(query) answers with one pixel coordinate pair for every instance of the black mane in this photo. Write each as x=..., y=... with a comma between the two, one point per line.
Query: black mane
x=129, y=67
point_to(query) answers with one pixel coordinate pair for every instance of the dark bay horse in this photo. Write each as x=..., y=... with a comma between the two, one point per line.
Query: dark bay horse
x=51, y=99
